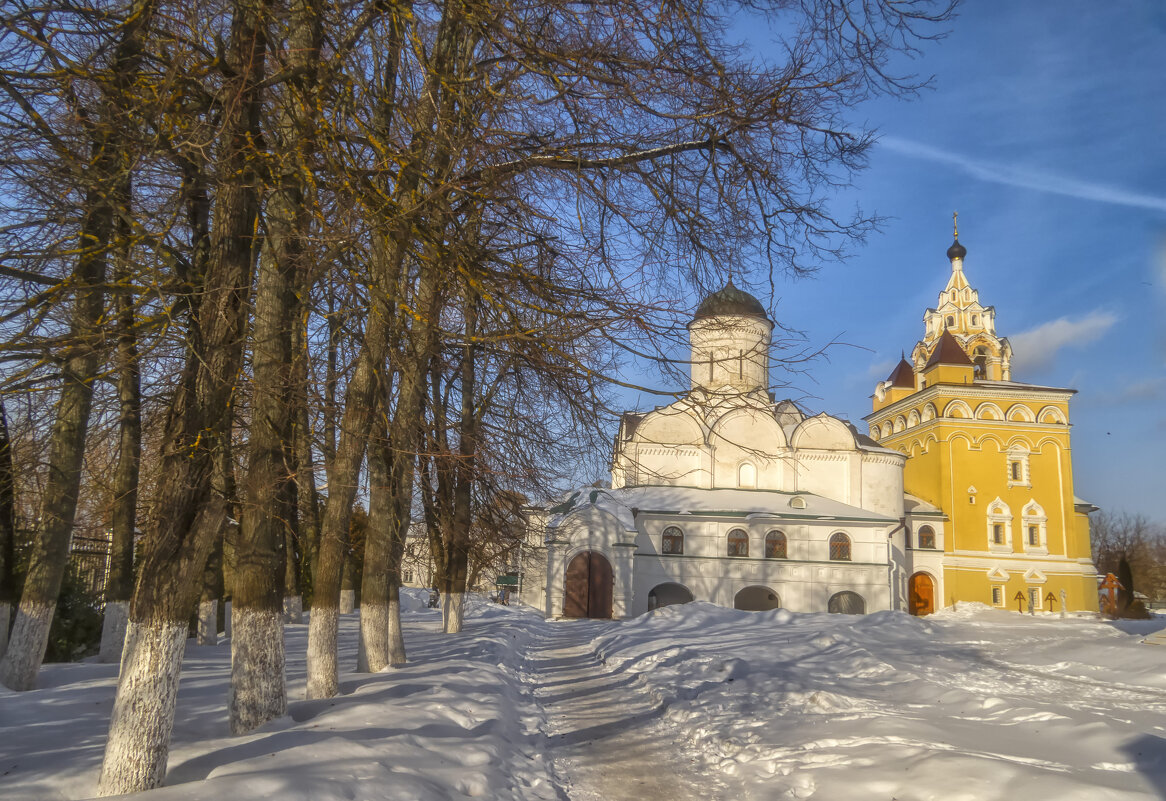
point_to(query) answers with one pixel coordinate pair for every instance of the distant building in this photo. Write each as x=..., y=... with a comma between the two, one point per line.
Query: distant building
x=731, y=497
x=994, y=455
x=963, y=491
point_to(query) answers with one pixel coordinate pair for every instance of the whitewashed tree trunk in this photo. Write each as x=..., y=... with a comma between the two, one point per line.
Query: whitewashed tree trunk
x=113, y=631
x=5, y=621
x=374, y=638
x=258, y=689
x=26, y=648
x=396, y=634
x=347, y=602
x=453, y=611
x=293, y=608
x=143, y=712
x=323, y=681
x=208, y=623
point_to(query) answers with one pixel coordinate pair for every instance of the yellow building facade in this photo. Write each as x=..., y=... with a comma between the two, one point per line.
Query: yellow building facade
x=994, y=456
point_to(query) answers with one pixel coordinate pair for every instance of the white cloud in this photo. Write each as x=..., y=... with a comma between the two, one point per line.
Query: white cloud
x=1036, y=348
x=1016, y=175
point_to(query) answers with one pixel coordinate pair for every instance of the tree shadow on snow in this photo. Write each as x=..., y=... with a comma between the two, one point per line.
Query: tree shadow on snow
x=1148, y=753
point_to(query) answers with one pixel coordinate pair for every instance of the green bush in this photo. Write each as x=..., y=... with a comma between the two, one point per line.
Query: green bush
x=76, y=630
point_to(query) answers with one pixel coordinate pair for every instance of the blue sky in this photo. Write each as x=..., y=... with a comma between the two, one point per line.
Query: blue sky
x=1046, y=130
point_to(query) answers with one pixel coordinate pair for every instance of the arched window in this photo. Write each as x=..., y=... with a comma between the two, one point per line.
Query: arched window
x=747, y=476
x=673, y=541
x=775, y=545
x=927, y=537
x=840, y=547
x=846, y=603
x=980, y=357
x=738, y=542
x=951, y=320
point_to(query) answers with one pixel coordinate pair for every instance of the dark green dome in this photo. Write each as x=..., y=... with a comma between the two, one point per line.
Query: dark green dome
x=730, y=302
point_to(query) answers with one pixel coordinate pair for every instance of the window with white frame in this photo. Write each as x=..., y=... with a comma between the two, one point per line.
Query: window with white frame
x=738, y=542
x=406, y=575
x=927, y=538
x=672, y=541
x=1035, y=524
x=997, y=595
x=999, y=526
x=1018, y=473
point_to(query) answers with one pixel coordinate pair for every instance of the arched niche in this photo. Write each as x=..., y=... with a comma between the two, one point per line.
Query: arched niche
x=669, y=427
x=823, y=433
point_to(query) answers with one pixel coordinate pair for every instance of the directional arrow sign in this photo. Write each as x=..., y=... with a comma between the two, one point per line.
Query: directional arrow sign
x=1050, y=599
x=1019, y=601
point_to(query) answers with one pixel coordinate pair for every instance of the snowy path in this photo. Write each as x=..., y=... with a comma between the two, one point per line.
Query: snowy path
x=606, y=736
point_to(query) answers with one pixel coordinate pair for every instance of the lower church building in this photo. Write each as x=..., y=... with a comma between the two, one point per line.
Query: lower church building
x=961, y=490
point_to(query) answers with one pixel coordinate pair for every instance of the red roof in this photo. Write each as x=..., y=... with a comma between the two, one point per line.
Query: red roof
x=948, y=351
x=903, y=375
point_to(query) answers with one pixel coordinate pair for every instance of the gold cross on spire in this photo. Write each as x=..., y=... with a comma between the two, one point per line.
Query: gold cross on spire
x=955, y=223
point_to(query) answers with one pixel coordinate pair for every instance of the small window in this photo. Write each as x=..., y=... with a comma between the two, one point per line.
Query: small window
x=747, y=476
x=927, y=537
x=1034, y=535
x=951, y=322
x=672, y=541
x=998, y=533
x=407, y=576
x=975, y=319
x=738, y=542
x=1034, y=597
x=997, y=596
x=840, y=548
x=775, y=545
x=1014, y=470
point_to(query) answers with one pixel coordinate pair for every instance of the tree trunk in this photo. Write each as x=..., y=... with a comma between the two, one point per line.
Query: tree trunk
x=258, y=693
x=212, y=590
x=7, y=531
x=50, y=548
x=119, y=585
x=388, y=519
x=198, y=422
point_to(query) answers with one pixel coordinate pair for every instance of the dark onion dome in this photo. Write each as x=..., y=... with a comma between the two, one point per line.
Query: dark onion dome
x=730, y=302
x=903, y=375
x=948, y=351
x=956, y=251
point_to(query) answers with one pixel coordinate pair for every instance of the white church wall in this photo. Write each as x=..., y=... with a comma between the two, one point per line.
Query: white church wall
x=825, y=473
x=803, y=582
x=882, y=484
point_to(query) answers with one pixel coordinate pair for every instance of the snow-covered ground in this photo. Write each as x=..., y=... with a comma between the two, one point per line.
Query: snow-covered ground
x=691, y=702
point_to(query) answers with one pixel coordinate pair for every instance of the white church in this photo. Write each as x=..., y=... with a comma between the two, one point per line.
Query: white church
x=732, y=497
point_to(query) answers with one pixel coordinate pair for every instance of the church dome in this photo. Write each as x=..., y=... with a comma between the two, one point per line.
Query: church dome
x=730, y=302
x=956, y=251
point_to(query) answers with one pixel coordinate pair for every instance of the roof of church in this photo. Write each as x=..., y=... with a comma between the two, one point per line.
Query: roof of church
x=956, y=251
x=730, y=301
x=625, y=503
x=948, y=351
x=903, y=375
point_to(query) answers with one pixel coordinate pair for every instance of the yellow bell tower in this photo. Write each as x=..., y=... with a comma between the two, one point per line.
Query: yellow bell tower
x=993, y=455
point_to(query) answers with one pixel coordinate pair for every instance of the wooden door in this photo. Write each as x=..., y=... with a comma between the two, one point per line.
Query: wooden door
x=921, y=594
x=588, y=584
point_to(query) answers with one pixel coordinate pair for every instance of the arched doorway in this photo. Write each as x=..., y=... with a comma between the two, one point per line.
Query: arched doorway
x=588, y=586
x=756, y=599
x=921, y=594
x=667, y=595
x=846, y=603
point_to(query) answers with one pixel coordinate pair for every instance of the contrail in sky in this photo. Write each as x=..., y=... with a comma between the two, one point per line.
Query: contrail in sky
x=1013, y=175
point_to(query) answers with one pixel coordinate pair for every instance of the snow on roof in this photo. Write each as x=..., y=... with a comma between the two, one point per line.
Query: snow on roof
x=918, y=506
x=626, y=502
